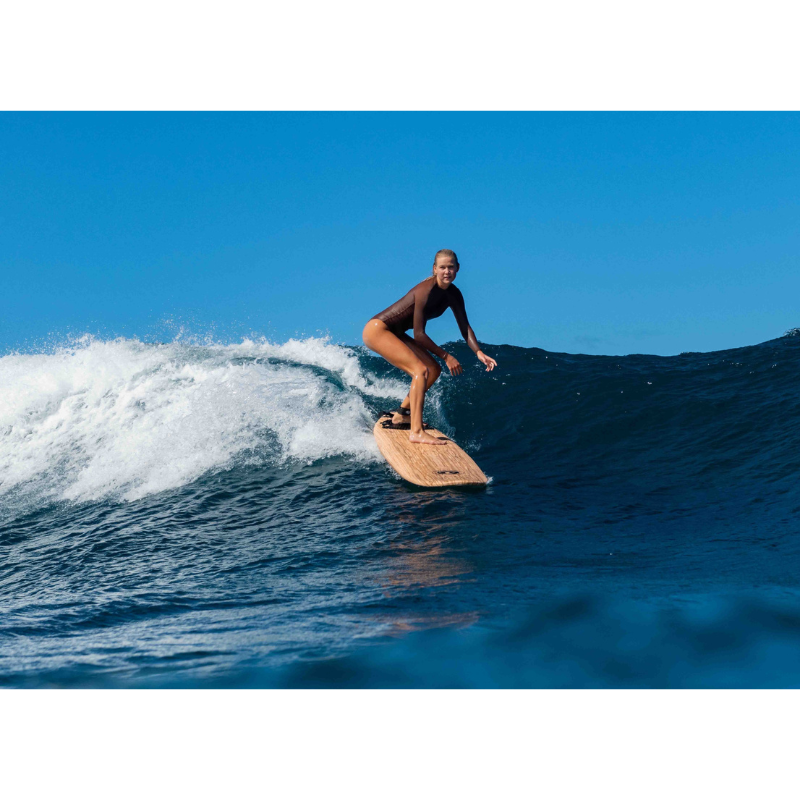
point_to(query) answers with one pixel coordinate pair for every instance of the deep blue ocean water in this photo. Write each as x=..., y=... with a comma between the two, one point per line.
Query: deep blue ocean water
x=197, y=514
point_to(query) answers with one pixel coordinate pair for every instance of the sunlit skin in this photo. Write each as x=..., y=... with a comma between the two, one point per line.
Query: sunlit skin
x=416, y=361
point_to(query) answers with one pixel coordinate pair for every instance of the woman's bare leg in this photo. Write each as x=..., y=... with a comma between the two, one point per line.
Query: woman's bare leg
x=379, y=338
x=434, y=370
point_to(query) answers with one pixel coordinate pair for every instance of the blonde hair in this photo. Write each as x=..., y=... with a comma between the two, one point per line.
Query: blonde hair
x=450, y=253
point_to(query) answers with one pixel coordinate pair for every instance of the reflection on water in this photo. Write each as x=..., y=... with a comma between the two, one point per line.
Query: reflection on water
x=423, y=565
x=430, y=621
x=423, y=560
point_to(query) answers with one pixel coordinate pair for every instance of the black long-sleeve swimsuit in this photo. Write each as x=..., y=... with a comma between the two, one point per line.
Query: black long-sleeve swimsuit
x=427, y=301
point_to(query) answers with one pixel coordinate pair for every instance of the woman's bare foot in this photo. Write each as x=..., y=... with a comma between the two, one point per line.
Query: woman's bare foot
x=400, y=419
x=425, y=438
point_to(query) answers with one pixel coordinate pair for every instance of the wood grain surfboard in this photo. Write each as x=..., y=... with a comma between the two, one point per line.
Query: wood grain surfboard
x=425, y=464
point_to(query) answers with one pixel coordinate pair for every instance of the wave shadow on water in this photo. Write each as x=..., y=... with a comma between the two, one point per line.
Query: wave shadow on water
x=583, y=641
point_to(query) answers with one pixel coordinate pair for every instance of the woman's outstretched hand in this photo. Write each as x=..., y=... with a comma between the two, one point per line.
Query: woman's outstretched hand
x=452, y=364
x=487, y=360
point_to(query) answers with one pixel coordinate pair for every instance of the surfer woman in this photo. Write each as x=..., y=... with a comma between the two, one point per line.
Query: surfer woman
x=386, y=334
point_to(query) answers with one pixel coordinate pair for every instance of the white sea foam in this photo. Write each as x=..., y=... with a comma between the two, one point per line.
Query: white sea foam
x=126, y=419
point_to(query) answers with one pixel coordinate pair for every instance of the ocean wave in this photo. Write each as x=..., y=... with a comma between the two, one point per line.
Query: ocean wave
x=575, y=642
x=124, y=419
x=195, y=510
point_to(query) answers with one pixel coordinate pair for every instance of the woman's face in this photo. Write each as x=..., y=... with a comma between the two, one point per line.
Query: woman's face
x=445, y=270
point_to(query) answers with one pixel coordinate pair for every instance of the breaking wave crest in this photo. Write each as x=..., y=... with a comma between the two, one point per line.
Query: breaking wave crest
x=124, y=419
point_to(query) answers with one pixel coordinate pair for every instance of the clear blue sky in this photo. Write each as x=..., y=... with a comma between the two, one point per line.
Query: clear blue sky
x=582, y=232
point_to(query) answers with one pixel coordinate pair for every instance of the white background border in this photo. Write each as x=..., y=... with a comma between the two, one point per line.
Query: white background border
x=420, y=54
x=399, y=744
